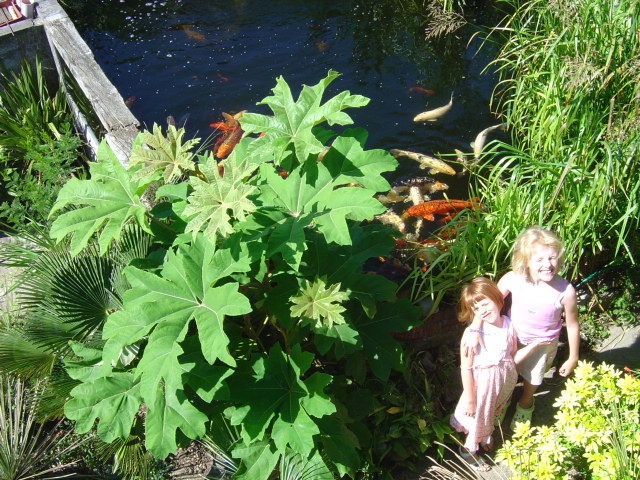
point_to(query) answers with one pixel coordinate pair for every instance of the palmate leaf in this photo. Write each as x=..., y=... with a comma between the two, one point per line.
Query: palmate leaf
x=105, y=204
x=257, y=460
x=293, y=121
x=320, y=303
x=155, y=152
x=308, y=195
x=160, y=310
x=348, y=162
x=277, y=397
x=114, y=400
x=218, y=200
x=382, y=350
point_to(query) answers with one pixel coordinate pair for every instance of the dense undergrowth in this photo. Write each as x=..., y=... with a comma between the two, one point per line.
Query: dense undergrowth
x=39, y=149
x=153, y=327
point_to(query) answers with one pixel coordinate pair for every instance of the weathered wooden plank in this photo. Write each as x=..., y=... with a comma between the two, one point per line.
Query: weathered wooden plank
x=105, y=99
x=120, y=142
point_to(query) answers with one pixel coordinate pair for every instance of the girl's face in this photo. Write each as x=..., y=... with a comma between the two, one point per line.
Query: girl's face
x=487, y=310
x=543, y=264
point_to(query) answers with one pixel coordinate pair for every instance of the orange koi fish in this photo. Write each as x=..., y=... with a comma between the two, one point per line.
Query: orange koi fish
x=222, y=77
x=427, y=210
x=422, y=90
x=130, y=100
x=231, y=134
x=194, y=34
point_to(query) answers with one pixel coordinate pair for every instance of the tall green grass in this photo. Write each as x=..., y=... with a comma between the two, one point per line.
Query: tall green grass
x=568, y=91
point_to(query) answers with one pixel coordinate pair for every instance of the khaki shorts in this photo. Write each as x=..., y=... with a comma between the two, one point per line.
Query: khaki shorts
x=538, y=362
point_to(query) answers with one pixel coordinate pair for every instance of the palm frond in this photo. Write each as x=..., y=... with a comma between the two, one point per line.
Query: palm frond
x=27, y=448
x=294, y=466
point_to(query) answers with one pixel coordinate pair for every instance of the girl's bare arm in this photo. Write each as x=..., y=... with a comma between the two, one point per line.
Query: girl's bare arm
x=468, y=390
x=570, y=303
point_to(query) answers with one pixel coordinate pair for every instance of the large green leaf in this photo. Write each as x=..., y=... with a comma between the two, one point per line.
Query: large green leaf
x=171, y=411
x=103, y=204
x=382, y=350
x=167, y=304
x=293, y=121
x=155, y=152
x=257, y=460
x=114, y=400
x=348, y=162
x=219, y=199
x=276, y=396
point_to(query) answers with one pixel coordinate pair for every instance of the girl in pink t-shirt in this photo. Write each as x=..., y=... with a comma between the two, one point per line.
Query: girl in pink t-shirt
x=539, y=297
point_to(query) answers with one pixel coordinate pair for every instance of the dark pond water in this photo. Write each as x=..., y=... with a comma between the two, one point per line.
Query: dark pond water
x=195, y=59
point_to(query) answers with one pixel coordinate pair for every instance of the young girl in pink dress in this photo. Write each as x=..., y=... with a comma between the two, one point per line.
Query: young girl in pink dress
x=539, y=298
x=489, y=376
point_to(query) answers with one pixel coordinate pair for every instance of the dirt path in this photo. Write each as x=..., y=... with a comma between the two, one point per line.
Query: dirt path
x=621, y=348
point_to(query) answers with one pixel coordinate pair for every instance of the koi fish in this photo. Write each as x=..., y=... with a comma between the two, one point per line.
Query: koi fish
x=130, y=100
x=231, y=134
x=393, y=220
x=427, y=210
x=436, y=113
x=433, y=164
x=222, y=77
x=421, y=90
x=392, y=196
x=481, y=139
x=415, y=195
x=425, y=184
x=194, y=34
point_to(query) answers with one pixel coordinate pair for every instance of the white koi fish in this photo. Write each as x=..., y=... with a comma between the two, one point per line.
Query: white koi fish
x=481, y=139
x=436, y=113
x=434, y=165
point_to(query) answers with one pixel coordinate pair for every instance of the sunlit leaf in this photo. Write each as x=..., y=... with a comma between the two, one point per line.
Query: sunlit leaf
x=168, y=154
x=320, y=303
x=103, y=204
x=293, y=121
x=217, y=199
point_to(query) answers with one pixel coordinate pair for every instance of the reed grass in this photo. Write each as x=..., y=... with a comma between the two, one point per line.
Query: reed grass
x=568, y=91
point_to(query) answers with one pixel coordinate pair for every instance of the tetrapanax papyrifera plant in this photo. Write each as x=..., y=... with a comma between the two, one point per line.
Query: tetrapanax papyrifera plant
x=253, y=304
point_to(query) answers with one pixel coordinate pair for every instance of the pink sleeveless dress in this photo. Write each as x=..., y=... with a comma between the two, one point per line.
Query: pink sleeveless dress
x=495, y=377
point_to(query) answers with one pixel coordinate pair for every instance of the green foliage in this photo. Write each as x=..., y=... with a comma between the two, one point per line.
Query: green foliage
x=106, y=203
x=253, y=304
x=38, y=149
x=573, y=163
x=33, y=191
x=596, y=430
x=168, y=155
x=27, y=446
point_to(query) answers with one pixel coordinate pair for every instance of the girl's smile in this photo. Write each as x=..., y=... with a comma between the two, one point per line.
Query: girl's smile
x=543, y=264
x=488, y=311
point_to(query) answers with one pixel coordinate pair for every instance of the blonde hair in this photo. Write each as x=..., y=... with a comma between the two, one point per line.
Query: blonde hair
x=475, y=291
x=525, y=245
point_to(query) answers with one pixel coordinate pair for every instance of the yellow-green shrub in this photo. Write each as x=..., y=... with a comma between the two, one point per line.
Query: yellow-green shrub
x=596, y=433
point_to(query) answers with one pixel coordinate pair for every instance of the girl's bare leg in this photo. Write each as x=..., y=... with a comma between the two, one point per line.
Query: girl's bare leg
x=526, y=399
